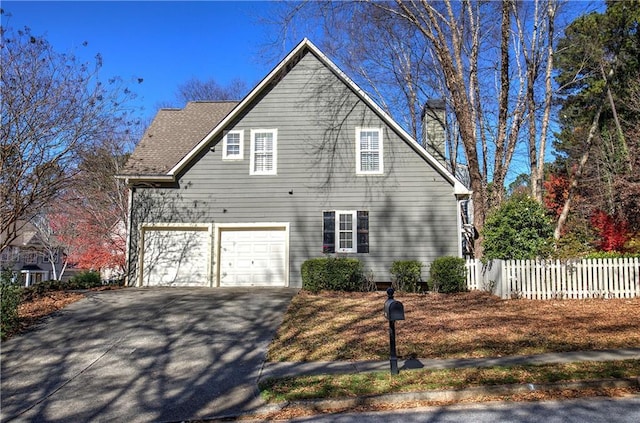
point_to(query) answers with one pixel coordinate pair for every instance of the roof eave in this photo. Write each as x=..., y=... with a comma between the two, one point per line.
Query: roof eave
x=146, y=178
x=459, y=188
x=234, y=112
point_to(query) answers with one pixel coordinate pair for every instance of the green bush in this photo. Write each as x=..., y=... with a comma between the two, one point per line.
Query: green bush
x=332, y=273
x=10, y=295
x=519, y=230
x=85, y=280
x=448, y=274
x=407, y=275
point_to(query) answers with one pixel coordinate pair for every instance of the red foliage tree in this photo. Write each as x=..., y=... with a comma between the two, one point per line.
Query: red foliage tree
x=556, y=190
x=86, y=243
x=613, y=232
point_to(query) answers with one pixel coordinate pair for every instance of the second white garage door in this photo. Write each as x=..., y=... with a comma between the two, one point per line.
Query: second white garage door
x=253, y=257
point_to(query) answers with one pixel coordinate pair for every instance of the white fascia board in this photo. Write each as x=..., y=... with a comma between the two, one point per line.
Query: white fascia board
x=249, y=97
x=459, y=187
x=137, y=178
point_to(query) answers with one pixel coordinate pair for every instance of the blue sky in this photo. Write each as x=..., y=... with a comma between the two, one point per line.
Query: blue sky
x=165, y=43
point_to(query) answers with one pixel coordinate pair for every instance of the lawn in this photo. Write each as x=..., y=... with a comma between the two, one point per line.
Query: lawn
x=351, y=326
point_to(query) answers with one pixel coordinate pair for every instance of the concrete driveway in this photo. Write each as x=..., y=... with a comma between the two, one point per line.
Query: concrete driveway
x=166, y=354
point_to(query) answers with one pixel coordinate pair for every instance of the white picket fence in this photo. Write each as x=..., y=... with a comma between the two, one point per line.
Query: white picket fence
x=556, y=279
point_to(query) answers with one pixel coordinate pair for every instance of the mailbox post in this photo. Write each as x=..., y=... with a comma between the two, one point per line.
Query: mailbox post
x=393, y=310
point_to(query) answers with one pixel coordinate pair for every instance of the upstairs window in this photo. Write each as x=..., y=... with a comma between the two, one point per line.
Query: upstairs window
x=264, y=151
x=30, y=257
x=369, y=151
x=232, y=145
x=345, y=231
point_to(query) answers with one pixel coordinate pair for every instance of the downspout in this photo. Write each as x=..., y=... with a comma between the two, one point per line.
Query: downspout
x=130, y=191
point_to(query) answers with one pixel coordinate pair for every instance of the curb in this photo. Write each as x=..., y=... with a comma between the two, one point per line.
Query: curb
x=327, y=405
x=292, y=369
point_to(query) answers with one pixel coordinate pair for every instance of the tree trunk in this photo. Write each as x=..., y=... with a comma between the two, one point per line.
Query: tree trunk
x=575, y=179
x=536, y=183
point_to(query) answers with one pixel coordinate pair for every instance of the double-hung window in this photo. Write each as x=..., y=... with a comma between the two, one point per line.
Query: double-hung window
x=264, y=152
x=369, y=151
x=345, y=231
x=232, y=145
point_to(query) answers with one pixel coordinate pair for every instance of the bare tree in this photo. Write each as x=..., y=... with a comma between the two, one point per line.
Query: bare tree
x=195, y=89
x=53, y=108
x=483, y=58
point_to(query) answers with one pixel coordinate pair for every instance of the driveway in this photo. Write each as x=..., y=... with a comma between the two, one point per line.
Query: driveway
x=140, y=354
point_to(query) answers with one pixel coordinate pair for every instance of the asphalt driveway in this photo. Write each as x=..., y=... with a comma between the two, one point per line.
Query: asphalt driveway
x=165, y=354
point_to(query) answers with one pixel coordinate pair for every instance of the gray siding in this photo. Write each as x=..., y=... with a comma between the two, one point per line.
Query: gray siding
x=412, y=208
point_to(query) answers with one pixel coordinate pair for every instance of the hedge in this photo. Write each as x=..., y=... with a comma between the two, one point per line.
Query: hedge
x=332, y=273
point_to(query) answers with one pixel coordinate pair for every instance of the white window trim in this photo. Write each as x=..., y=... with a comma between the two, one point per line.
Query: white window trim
x=225, y=155
x=354, y=231
x=359, y=170
x=273, y=171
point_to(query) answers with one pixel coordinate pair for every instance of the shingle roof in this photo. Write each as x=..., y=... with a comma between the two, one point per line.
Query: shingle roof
x=173, y=134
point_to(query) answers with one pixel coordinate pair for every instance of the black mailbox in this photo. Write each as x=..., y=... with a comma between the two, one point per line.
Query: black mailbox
x=393, y=310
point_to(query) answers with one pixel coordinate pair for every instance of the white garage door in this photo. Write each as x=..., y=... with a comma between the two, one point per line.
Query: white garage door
x=253, y=257
x=176, y=257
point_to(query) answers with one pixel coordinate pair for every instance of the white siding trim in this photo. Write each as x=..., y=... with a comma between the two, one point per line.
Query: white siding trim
x=145, y=227
x=219, y=227
x=459, y=188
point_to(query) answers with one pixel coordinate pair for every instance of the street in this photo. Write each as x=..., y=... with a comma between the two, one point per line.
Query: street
x=584, y=410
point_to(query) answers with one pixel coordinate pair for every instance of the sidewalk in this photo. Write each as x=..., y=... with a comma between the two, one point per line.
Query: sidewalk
x=288, y=369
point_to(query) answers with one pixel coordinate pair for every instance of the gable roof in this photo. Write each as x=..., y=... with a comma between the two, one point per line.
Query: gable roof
x=180, y=161
x=26, y=236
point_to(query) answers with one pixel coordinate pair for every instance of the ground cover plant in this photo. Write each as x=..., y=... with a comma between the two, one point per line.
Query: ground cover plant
x=378, y=383
x=351, y=326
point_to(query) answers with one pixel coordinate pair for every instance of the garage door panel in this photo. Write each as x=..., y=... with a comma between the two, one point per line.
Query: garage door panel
x=176, y=258
x=254, y=257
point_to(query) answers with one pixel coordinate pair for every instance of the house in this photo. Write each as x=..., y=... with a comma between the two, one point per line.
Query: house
x=306, y=165
x=29, y=259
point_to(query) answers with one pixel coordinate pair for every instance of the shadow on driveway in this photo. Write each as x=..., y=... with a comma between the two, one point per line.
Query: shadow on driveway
x=134, y=354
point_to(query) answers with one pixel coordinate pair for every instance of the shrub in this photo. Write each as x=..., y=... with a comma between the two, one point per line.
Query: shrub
x=448, y=274
x=85, y=280
x=518, y=230
x=332, y=273
x=10, y=295
x=407, y=275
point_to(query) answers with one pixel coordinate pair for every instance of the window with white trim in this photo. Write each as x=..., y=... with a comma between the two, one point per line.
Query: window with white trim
x=232, y=145
x=345, y=231
x=264, y=152
x=369, y=151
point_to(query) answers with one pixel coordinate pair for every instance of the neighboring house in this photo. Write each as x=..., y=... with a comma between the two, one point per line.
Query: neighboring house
x=28, y=259
x=306, y=165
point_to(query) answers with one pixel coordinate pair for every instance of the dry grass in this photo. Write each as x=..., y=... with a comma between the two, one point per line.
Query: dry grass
x=32, y=311
x=351, y=326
